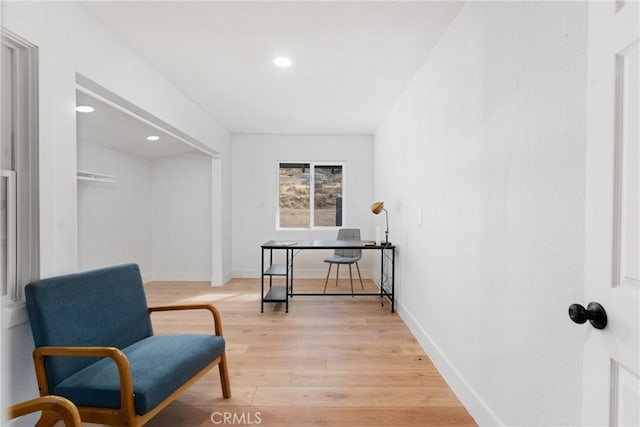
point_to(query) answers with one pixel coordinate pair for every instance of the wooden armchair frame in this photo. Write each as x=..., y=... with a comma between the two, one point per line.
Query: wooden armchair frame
x=59, y=408
x=125, y=415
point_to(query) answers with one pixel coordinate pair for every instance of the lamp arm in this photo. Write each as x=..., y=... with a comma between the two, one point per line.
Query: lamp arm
x=386, y=231
x=386, y=219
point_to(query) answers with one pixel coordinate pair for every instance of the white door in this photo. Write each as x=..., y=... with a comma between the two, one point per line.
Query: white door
x=611, y=390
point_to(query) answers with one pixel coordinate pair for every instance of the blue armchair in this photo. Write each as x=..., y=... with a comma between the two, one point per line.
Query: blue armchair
x=95, y=346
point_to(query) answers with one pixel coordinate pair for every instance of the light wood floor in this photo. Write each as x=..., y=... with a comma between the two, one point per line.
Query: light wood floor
x=331, y=361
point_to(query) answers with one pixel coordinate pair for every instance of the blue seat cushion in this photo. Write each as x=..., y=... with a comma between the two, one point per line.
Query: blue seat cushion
x=337, y=259
x=159, y=365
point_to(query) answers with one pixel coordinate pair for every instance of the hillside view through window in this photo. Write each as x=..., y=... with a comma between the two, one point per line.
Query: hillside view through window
x=310, y=195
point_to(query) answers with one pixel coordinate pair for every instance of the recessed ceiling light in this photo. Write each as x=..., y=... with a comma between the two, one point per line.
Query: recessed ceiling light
x=85, y=109
x=282, y=62
x=153, y=138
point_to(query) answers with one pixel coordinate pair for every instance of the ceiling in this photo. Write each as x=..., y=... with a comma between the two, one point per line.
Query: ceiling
x=351, y=60
x=110, y=127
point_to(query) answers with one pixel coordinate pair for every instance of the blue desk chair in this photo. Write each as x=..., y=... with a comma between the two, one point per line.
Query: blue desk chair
x=345, y=256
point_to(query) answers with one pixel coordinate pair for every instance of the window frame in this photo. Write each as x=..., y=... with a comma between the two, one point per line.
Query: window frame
x=26, y=146
x=312, y=165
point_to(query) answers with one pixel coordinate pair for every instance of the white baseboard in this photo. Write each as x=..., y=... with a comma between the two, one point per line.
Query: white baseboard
x=245, y=274
x=218, y=280
x=478, y=408
x=304, y=274
x=313, y=273
x=187, y=276
x=226, y=277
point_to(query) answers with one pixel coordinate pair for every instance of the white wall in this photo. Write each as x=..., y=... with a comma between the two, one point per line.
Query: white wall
x=181, y=218
x=101, y=57
x=158, y=214
x=114, y=220
x=255, y=194
x=71, y=41
x=488, y=142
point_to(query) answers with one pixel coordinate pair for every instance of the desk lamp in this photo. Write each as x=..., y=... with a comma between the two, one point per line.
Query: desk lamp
x=376, y=208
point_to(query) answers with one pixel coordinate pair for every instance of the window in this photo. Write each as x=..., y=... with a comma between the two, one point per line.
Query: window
x=19, y=263
x=310, y=194
x=8, y=183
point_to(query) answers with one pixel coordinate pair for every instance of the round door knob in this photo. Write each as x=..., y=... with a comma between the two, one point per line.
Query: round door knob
x=594, y=313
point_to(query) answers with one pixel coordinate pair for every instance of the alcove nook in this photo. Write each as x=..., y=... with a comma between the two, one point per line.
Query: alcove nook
x=144, y=195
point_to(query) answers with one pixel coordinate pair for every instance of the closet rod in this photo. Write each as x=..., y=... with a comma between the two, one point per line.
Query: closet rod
x=95, y=177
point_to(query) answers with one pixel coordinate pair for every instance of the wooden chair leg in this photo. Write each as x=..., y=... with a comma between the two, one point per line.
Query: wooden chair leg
x=224, y=376
x=337, y=273
x=360, y=276
x=351, y=280
x=324, y=291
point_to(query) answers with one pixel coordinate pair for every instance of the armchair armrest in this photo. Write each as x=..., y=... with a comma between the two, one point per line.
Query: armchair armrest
x=65, y=409
x=217, y=320
x=124, y=371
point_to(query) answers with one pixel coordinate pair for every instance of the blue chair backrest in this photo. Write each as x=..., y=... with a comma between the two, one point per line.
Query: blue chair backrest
x=98, y=308
x=349, y=234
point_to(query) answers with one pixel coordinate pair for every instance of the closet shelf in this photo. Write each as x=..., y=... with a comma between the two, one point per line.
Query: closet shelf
x=95, y=177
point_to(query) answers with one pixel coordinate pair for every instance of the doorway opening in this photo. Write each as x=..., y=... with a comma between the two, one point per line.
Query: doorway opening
x=144, y=191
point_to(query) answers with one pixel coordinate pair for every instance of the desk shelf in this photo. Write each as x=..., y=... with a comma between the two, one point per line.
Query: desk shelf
x=276, y=293
x=276, y=270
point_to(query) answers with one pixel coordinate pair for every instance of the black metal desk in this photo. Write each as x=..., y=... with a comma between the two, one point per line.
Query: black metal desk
x=281, y=294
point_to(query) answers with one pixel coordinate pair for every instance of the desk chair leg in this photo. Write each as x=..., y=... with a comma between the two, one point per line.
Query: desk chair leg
x=324, y=291
x=337, y=273
x=351, y=280
x=360, y=276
